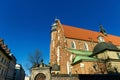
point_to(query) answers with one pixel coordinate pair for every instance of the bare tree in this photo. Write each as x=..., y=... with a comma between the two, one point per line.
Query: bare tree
x=35, y=58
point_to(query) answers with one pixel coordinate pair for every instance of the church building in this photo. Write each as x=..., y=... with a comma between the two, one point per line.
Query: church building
x=80, y=51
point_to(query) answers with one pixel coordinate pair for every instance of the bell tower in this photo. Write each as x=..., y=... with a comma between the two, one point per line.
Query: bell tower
x=53, y=56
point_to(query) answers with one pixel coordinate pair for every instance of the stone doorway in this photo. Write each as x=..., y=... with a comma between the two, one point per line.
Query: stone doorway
x=40, y=76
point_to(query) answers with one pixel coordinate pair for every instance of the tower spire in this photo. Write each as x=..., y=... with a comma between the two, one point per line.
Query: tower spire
x=102, y=30
x=55, y=24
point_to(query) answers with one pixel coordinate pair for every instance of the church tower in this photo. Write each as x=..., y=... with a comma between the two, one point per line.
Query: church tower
x=53, y=55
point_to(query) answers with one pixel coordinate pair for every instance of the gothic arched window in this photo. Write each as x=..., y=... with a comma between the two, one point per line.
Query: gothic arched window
x=100, y=39
x=73, y=45
x=86, y=46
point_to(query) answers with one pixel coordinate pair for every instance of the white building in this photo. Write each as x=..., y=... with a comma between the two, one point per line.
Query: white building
x=27, y=78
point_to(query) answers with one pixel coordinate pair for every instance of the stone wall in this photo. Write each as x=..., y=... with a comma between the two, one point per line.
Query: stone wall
x=65, y=77
x=40, y=70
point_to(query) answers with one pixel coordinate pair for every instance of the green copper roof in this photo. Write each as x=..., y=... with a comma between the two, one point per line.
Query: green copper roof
x=79, y=58
x=81, y=55
x=78, y=52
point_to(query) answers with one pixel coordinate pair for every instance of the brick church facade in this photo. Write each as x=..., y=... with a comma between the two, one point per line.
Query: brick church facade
x=80, y=51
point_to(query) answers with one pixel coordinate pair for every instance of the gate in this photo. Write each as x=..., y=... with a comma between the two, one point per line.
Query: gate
x=40, y=76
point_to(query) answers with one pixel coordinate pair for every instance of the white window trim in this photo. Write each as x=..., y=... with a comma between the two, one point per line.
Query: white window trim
x=73, y=43
x=86, y=46
x=58, y=54
x=68, y=67
x=71, y=57
x=100, y=39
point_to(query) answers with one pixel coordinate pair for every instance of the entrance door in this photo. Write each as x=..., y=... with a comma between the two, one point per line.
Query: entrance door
x=40, y=76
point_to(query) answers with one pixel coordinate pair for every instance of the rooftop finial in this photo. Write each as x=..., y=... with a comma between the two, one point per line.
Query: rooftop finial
x=102, y=30
x=56, y=19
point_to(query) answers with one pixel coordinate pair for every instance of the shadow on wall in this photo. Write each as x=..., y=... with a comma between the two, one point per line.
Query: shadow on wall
x=86, y=77
x=100, y=77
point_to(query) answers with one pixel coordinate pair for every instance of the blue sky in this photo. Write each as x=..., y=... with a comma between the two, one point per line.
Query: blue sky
x=25, y=24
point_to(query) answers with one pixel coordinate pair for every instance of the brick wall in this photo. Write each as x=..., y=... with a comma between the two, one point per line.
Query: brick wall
x=59, y=40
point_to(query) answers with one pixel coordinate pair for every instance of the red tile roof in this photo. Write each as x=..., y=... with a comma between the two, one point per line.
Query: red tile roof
x=89, y=35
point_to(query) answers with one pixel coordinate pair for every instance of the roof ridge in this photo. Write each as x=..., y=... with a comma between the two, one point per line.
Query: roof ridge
x=78, y=28
x=88, y=35
x=87, y=29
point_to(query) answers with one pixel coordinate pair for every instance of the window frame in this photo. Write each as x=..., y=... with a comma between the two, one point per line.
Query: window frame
x=101, y=39
x=86, y=48
x=73, y=45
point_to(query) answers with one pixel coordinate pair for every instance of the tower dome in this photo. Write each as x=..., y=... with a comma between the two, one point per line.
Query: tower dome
x=102, y=46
